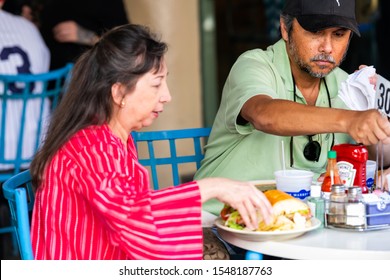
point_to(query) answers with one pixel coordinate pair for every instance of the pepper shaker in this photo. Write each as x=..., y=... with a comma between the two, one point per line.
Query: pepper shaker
x=337, y=201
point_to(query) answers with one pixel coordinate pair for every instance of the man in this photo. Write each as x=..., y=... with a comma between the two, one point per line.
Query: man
x=70, y=27
x=22, y=50
x=287, y=96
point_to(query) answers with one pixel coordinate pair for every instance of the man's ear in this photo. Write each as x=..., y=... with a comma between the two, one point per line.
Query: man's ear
x=283, y=30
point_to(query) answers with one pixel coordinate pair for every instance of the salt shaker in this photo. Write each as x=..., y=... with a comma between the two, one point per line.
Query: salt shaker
x=355, y=210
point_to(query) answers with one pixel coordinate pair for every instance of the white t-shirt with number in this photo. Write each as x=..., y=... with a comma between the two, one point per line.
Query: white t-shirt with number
x=22, y=50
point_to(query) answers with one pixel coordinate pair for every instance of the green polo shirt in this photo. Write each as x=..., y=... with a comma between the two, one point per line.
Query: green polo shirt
x=244, y=153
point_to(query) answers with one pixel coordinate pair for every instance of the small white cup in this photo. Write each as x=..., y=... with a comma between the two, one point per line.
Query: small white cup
x=370, y=173
x=294, y=182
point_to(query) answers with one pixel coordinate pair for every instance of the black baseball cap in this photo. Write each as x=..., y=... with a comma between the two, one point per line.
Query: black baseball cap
x=316, y=15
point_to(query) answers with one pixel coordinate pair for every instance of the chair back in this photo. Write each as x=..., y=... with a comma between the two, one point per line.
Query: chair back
x=167, y=141
x=20, y=196
x=26, y=101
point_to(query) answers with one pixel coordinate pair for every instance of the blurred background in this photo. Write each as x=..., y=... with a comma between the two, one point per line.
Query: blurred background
x=206, y=36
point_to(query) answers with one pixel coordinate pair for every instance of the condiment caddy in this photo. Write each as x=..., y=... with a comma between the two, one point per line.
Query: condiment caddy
x=349, y=209
x=349, y=204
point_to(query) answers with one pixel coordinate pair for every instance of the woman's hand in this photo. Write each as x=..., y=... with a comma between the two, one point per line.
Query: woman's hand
x=243, y=196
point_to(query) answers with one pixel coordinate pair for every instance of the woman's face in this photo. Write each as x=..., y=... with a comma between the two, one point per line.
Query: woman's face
x=144, y=104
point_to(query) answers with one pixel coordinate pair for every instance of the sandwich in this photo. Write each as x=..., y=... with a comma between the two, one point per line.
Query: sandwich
x=288, y=213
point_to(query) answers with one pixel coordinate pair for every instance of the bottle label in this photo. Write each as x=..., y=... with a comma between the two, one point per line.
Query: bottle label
x=355, y=214
x=347, y=173
x=312, y=207
x=326, y=197
x=370, y=183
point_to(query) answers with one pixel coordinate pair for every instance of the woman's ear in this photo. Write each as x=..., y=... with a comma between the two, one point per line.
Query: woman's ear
x=117, y=93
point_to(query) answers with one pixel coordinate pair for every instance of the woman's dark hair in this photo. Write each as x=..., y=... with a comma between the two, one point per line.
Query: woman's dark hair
x=123, y=55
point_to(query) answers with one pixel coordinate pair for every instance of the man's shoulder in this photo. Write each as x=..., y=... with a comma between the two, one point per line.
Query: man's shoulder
x=17, y=29
x=268, y=55
x=17, y=21
x=253, y=54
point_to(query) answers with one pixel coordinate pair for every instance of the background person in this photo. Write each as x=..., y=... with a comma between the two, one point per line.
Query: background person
x=22, y=51
x=70, y=27
x=88, y=164
x=289, y=93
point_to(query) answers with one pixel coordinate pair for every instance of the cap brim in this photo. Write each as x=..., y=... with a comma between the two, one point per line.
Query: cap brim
x=315, y=23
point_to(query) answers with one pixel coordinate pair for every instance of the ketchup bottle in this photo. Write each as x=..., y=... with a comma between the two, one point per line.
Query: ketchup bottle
x=332, y=176
x=351, y=160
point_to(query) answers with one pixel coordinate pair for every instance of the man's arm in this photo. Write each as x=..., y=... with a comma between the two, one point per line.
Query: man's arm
x=283, y=117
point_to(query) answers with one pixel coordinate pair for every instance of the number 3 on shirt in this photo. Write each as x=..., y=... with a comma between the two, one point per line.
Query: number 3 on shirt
x=6, y=54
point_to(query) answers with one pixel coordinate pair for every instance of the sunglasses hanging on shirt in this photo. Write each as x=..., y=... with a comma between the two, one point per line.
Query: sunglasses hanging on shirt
x=312, y=150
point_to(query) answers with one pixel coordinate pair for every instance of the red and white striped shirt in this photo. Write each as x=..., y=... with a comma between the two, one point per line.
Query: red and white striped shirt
x=95, y=203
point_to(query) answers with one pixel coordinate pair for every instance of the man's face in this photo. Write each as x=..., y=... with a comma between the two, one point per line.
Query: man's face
x=317, y=53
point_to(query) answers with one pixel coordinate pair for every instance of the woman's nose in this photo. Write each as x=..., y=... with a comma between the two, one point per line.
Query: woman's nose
x=166, y=95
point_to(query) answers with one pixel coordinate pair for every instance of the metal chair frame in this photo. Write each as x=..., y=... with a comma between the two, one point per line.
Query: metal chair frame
x=18, y=189
x=21, y=87
x=19, y=193
x=174, y=159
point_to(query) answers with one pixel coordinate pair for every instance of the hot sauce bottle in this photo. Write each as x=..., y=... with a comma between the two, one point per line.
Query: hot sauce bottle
x=351, y=162
x=332, y=176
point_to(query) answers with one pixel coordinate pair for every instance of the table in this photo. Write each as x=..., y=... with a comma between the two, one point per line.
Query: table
x=323, y=243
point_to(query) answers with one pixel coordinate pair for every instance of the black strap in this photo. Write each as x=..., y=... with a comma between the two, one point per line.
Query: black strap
x=295, y=100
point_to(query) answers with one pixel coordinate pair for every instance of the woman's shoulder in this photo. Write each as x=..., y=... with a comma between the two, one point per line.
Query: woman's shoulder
x=91, y=136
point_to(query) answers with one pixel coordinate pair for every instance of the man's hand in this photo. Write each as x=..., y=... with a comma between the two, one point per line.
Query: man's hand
x=71, y=32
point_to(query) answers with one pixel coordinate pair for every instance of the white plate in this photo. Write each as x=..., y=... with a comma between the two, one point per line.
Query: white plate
x=263, y=182
x=267, y=235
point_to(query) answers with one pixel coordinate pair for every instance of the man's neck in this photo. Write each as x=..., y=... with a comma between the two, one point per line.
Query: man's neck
x=309, y=86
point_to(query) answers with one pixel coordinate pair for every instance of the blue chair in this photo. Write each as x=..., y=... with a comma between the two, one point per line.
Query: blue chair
x=174, y=160
x=26, y=93
x=251, y=255
x=18, y=189
x=19, y=193
x=26, y=101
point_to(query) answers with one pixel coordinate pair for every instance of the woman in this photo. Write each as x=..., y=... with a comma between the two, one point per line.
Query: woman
x=93, y=199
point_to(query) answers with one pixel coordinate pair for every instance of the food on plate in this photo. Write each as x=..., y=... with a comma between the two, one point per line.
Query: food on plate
x=288, y=213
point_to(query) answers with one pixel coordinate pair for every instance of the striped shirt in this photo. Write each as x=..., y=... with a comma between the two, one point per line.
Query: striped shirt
x=95, y=203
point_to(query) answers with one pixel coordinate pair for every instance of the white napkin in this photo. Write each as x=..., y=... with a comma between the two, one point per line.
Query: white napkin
x=208, y=219
x=357, y=92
